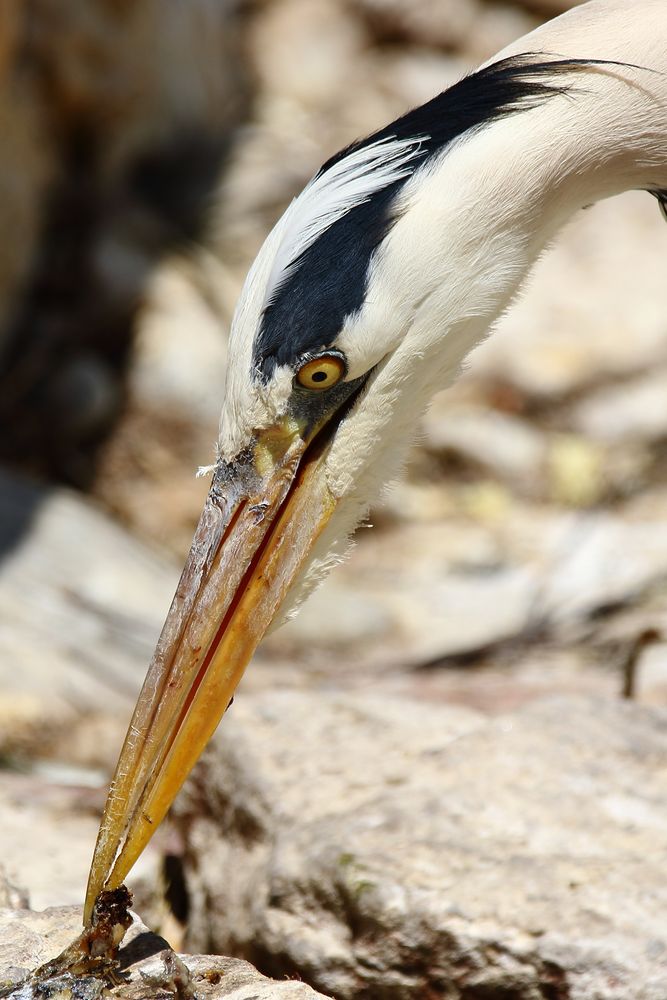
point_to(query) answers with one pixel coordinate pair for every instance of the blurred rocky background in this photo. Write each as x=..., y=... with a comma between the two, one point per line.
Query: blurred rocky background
x=446, y=777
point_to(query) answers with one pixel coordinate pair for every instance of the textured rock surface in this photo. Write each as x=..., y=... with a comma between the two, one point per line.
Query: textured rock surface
x=397, y=851
x=49, y=825
x=48, y=833
x=636, y=410
x=12, y=896
x=498, y=443
x=431, y=591
x=551, y=344
x=81, y=604
x=28, y=939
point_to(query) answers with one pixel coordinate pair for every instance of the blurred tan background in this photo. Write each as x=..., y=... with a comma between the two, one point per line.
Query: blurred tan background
x=147, y=148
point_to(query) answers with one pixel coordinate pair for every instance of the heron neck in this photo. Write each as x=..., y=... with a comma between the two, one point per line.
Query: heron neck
x=475, y=222
x=609, y=134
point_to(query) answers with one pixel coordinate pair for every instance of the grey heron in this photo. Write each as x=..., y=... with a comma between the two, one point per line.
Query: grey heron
x=364, y=300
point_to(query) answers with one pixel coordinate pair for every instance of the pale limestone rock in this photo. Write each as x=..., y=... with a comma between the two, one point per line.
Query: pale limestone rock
x=435, y=590
x=50, y=819
x=47, y=839
x=651, y=677
x=498, y=443
x=180, y=353
x=593, y=308
x=81, y=605
x=633, y=410
x=28, y=939
x=402, y=850
x=12, y=895
x=50, y=822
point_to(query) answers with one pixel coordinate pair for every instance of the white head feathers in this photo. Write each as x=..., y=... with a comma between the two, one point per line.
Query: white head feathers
x=334, y=192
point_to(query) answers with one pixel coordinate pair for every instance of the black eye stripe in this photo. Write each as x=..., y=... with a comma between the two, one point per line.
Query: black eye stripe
x=329, y=282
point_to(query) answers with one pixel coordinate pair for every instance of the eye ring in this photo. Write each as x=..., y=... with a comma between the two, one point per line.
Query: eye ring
x=322, y=372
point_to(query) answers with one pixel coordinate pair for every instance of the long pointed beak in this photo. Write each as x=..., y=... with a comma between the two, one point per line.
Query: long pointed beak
x=260, y=521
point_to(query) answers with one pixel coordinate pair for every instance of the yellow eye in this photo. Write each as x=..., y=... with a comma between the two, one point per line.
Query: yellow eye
x=321, y=373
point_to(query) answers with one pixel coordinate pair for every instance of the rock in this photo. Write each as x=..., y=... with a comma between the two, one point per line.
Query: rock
x=575, y=471
x=317, y=92
x=173, y=371
x=520, y=674
x=599, y=561
x=148, y=473
x=424, y=592
x=50, y=819
x=385, y=848
x=412, y=76
x=28, y=939
x=551, y=344
x=336, y=617
x=411, y=596
x=175, y=388
x=48, y=834
x=327, y=39
x=497, y=443
x=12, y=896
x=651, y=677
x=633, y=410
x=499, y=25
x=81, y=605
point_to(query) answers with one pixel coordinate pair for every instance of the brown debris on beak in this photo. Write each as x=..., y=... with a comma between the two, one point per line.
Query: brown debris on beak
x=94, y=952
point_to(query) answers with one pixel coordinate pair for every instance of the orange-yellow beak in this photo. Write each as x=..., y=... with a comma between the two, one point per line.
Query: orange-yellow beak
x=260, y=521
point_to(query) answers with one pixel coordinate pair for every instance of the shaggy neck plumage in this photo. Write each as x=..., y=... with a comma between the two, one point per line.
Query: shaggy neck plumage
x=319, y=274
x=470, y=227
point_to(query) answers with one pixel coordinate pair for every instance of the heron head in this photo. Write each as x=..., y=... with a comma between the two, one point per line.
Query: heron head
x=337, y=343
x=314, y=329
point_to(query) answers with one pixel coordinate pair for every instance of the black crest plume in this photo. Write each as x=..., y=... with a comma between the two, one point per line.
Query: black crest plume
x=328, y=282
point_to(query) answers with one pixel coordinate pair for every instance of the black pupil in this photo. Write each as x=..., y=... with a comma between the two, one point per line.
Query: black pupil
x=319, y=376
